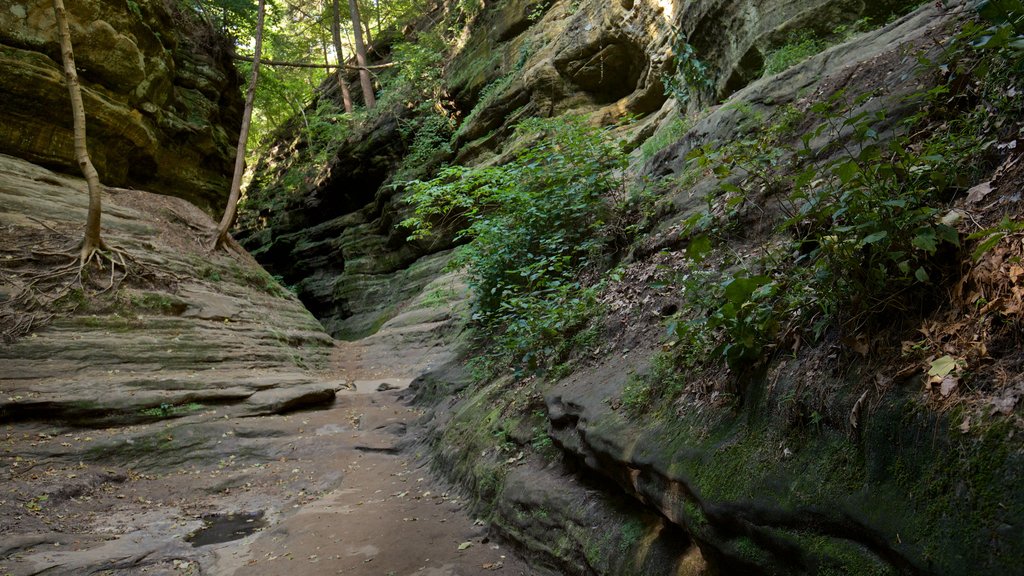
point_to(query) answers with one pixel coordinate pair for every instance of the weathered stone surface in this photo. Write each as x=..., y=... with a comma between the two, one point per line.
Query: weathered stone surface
x=757, y=493
x=232, y=336
x=161, y=95
x=334, y=235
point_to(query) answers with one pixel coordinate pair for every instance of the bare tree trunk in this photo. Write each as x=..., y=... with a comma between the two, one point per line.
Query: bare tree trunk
x=92, y=241
x=376, y=4
x=366, y=30
x=236, y=181
x=364, y=74
x=346, y=97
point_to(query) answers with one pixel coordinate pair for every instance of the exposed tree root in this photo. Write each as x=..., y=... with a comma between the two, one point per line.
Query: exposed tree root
x=45, y=270
x=98, y=253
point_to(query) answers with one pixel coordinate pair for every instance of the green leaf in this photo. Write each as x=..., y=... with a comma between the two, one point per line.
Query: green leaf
x=729, y=187
x=921, y=274
x=925, y=240
x=942, y=366
x=948, y=234
x=699, y=248
x=987, y=245
x=740, y=288
x=875, y=237
x=847, y=171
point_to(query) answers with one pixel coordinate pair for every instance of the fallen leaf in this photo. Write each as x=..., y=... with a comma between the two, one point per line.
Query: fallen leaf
x=859, y=344
x=965, y=426
x=465, y=545
x=977, y=193
x=948, y=385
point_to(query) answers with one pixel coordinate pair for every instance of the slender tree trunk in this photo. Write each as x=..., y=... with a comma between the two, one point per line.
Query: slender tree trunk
x=346, y=97
x=364, y=74
x=92, y=241
x=376, y=4
x=236, y=181
x=366, y=30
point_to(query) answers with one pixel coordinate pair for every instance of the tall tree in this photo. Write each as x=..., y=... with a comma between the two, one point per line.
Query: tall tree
x=364, y=73
x=92, y=243
x=236, y=181
x=336, y=32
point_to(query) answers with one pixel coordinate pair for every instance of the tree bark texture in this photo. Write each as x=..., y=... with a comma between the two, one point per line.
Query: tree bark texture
x=236, y=181
x=364, y=74
x=92, y=241
x=346, y=97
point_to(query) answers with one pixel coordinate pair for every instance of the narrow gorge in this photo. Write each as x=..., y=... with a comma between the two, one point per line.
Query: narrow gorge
x=704, y=287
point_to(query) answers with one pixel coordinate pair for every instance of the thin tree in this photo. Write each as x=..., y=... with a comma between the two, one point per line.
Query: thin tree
x=346, y=97
x=236, y=181
x=92, y=244
x=364, y=73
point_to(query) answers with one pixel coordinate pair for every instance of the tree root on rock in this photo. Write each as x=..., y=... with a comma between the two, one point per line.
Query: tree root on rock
x=47, y=267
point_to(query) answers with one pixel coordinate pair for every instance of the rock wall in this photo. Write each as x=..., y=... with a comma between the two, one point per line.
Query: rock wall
x=759, y=486
x=333, y=234
x=161, y=95
x=766, y=485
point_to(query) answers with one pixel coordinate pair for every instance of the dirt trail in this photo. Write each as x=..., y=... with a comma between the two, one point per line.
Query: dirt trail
x=389, y=515
x=342, y=490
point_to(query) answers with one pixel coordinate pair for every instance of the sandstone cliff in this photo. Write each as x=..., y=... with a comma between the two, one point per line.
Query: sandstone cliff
x=161, y=95
x=788, y=472
x=333, y=235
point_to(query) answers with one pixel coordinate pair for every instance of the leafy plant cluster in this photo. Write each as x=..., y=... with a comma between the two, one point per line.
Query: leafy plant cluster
x=533, y=226
x=665, y=137
x=326, y=126
x=803, y=44
x=690, y=76
x=866, y=214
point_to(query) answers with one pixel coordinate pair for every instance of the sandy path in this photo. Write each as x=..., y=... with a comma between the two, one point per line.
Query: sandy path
x=339, y=490
x=387, y=517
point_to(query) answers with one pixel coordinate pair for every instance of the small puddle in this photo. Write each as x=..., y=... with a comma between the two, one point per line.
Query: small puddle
x=218, y=528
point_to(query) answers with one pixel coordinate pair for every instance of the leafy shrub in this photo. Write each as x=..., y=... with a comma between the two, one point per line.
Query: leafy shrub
x=533, y=224
x=327, y=127
x=690, y=76
x=873, y=212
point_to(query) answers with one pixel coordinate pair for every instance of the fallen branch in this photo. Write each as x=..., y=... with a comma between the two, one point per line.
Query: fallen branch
x=310, y=65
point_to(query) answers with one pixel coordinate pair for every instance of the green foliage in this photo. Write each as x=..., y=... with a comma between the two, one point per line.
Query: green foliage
x=865, y=211
x=134, y=8
x=327, y=126
x=992, y=235
x=537, y=10
x=533, y=224
x=171, y=410
x=665, y=137
x=487, y=96
x=1006, y=30
x=658, y=388
x=799, y=47
x=430, y=137
x=870, y=212
x=691, y=76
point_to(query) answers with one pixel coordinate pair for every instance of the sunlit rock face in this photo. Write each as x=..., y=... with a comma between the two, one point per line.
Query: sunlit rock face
x=161, y=95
